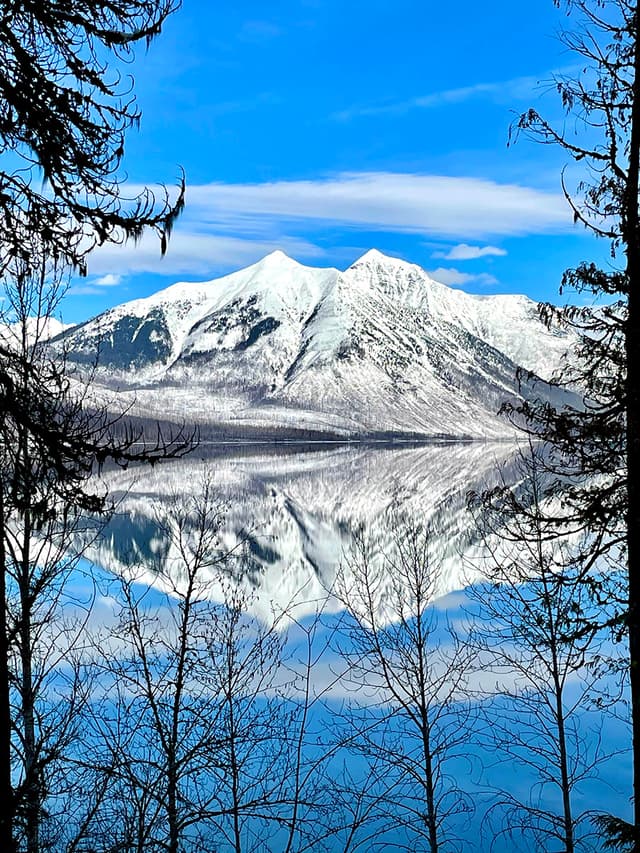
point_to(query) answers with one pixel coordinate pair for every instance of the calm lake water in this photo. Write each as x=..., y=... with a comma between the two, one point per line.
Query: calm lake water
x=296, y=508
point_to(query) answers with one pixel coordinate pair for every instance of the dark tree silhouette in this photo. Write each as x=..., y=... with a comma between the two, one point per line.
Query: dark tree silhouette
x=593, y=453
x=51, y=443
x=64, y=109
x=547, y=701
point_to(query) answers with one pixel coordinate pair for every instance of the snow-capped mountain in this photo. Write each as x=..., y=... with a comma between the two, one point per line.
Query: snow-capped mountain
x=381, y=347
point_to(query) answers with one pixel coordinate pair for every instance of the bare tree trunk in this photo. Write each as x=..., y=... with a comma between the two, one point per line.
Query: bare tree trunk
x=425, y=725
x=32, y=793
x=233, y=757
x=174, y=743
x=172, y=813
x=7, y=841
x=632, y=239
x=430, y=792
x=562, y=739
x=558, y=690
x=564, y=775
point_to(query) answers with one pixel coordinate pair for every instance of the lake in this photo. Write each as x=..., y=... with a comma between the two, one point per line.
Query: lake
x=297, y=507
x=294, y=512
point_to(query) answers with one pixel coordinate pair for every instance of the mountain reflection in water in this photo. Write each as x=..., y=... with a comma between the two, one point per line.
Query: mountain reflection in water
x=296, y=510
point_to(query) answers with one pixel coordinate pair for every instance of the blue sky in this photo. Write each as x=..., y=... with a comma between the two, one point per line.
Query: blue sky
x=326, y=128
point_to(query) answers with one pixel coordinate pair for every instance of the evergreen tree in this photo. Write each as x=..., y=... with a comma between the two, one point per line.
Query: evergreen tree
x=593, y=452
x=64, y=112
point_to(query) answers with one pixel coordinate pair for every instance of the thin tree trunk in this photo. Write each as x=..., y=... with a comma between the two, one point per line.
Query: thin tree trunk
x=564, y=776
x=235, y=770
x=7, y=841
x=553, y=622
x=430, y=792
x=567, y=816
x=426, y=735
x=172, y=811
x=32, y=790
x=633, y=544
x=33, y=794
x=632, y=240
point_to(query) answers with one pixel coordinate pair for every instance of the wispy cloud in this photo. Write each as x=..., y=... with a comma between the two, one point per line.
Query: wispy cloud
x=455, y=278
x=242, y=105
x=431, y=205
x=231, y=225
x=85, y=290
x=96, y=285
x=190, y=253
x=465, y=252
x=503, y=91
x=259, y=31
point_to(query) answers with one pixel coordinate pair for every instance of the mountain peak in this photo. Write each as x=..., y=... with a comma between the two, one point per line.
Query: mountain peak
x=278, y=257
x=374, y=257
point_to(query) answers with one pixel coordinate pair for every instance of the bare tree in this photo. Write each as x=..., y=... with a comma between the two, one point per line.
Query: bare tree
x=51, y=442
x=411, y=715
x=543, y=657
x=205, y=724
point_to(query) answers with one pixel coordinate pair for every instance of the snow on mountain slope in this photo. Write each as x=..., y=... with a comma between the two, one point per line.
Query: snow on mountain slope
x=146, y=336
x=379, y=347
x=507, y=323
x=35, y=328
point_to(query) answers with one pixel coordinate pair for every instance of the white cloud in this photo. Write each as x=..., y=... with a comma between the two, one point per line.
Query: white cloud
x=85, y=290
x=232, y=225
x=455, y=278
x=465, y=252
x=189, y=253
x=108, y=280
x=432, y=205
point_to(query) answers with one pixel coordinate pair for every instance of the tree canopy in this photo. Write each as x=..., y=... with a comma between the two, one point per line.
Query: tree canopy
x=65, y=107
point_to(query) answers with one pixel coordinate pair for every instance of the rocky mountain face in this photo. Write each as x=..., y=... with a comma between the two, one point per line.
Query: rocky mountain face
x=379, y=348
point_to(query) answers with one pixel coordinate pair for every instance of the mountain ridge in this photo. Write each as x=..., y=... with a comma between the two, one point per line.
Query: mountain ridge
x=381, y=346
